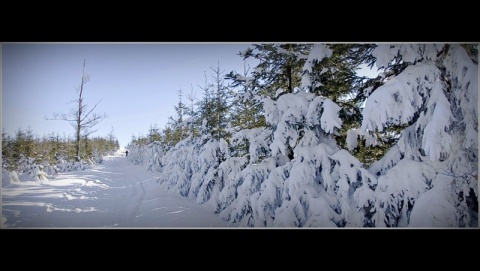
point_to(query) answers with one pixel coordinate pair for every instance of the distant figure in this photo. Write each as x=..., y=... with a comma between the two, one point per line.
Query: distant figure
x=126, y=153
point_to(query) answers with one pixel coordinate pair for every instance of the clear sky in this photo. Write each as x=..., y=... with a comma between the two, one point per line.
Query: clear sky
x=136, y=82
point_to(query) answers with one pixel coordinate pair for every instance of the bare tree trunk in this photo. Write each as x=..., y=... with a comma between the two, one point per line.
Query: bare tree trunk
x=79, y=119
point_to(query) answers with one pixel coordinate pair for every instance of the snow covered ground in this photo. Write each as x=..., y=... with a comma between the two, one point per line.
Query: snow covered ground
x=109, y=195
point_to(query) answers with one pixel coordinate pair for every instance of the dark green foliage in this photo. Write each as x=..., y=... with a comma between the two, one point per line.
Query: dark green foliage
x=213, y=110
x=280, y=67
x=247, y=110
x=225, y=109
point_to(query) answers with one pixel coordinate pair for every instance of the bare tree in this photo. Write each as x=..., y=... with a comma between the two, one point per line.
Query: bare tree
x=81, y=117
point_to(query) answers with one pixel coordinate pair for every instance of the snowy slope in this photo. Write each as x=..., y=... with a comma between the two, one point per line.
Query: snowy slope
x=113, y=194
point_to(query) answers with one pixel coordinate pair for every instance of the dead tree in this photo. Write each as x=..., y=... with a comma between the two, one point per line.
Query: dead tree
x=80, y=117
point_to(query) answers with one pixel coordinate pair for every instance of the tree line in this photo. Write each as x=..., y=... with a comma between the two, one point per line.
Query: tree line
x=230, y=102
x=51, y=148
x=301, y=139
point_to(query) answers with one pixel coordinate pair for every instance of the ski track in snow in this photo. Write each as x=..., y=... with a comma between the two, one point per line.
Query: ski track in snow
x=115, y=194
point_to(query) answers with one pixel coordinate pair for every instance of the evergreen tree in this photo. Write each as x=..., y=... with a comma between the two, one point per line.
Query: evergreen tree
x=214, y=107
x=205, y=111
x=168, y=136
x=221, y=102
x=246, y=110
x=191, y=113
x=154, y=134
x=434, y=97
x=8, y=152
x=414, y=129
x=280, y=67
x=177, y=122
x=27, y=152
x=336, y=78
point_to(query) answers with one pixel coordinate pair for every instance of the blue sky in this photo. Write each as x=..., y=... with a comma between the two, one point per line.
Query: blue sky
x=136, y=82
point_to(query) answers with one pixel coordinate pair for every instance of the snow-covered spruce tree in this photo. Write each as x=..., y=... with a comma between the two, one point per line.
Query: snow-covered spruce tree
x=179, y=164
x=280, y=67
x=306, y=180
x=191, y=115
x=246, y=114
x=429, y=178
x=247, y=109
x=201, y=167
x=294, y=173
x=190, y=167
x=245, y=166
x=250, y=162
x=335, y=77
x=154, y=152
x=135, y=152
x=212, y=116
x=9, y=162
x=322, y=185
x=207, y=179
x=243, y=172
x=9, y=177
x=364, y=202
x=179, y=126
x=148, y=151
